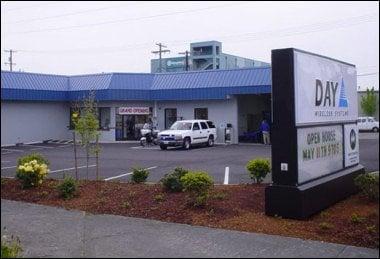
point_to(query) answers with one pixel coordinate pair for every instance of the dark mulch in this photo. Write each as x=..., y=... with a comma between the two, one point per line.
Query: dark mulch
x=238, y=207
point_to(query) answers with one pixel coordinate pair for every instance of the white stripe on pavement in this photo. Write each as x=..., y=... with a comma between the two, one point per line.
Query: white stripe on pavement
x=3, y=161
x=226, y=175
x=15, y=150
x=38, y=146
x=118, y=176
x=69, y=169
x=8, y=167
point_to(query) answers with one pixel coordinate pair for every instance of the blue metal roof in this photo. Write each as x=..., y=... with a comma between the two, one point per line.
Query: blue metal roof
x=193, y=85
x=33, y=81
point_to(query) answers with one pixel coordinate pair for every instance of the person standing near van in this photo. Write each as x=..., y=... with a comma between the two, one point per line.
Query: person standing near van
x=264, y=127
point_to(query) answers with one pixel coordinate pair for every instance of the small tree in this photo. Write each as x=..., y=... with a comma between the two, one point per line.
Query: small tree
x=368, y=102
x=87, y=127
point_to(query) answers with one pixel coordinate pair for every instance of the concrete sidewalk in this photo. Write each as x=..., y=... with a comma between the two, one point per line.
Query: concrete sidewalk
x=53, y=232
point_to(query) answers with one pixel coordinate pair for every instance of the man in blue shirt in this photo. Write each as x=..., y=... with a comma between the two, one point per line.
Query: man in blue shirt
x=264, y=128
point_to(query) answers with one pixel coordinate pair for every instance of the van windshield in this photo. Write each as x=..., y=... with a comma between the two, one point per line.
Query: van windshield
x=181, y=126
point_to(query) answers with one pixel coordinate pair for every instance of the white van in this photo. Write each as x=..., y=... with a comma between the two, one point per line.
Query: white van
x=368, y=124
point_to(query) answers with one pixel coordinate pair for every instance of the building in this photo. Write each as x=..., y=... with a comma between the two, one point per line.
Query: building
x=204, y=56
x=360, y=110
x=38, y=107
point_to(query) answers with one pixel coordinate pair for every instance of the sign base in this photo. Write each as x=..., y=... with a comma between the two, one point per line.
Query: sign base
x=300, y=202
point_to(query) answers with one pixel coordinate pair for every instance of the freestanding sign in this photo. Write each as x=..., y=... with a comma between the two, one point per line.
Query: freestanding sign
x=315, y=149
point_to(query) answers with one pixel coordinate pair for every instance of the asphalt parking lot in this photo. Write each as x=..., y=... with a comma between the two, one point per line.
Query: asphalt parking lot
x=118, y=159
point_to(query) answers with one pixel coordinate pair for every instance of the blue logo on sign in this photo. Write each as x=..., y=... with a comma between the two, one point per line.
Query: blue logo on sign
x=342, y=96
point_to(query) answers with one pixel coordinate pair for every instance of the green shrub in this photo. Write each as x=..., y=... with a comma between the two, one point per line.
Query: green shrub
x=325, y=214
x=355, y=218
x=32, y=173
x=34, y=156
x=172, y=181
x=220, y=196
x=325, y=226
x=126, y=205
x=258, y=169
x=10, y=248
x=198, y=185
x=68, y=188
x=371, y=229
x=139, y=175
x=159, y=197
x=369, y=184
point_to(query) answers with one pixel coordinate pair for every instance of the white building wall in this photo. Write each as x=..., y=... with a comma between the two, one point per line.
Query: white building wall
x=24, y=122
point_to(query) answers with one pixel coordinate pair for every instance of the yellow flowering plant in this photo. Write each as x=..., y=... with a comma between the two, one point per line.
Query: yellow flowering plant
x=32, y=173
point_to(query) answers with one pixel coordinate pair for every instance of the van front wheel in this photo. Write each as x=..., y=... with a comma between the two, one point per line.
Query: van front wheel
x=186, y=144
x=210, y=141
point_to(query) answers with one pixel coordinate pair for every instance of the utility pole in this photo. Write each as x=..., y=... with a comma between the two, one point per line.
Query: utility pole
x=11, y=51
x=159, y=53
x=186, y=53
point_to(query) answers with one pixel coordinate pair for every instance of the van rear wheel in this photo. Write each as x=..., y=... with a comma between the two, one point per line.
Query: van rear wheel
x=163, y=147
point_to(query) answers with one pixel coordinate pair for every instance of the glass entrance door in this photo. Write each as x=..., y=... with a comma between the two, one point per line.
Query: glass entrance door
x=128, y=126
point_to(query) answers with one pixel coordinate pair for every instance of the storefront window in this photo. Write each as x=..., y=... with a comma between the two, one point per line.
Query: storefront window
x=201, y=113
x=104, y=117
x=170, y=117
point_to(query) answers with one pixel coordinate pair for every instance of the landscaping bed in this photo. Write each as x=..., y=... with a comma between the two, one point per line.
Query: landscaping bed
x=354, y=221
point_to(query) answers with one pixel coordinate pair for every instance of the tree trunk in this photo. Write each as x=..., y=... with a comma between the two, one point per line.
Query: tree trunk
x=87, y=157
x=75, y=156
x=97, y=158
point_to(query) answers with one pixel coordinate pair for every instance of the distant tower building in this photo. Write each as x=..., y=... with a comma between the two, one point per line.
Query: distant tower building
x=204, y=56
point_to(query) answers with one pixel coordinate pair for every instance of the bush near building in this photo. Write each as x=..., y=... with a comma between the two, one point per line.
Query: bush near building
x=258, y=169
x=34, y=156
x=139, y=175
x=198, y=185
x=32, y=170
x=172, y=181
x=68, y=188
x=369, y=184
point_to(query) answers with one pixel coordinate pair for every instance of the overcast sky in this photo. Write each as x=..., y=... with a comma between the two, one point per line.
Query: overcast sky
x=73, y=38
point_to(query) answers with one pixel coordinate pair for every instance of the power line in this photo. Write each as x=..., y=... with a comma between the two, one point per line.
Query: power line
x=124, y=20
x=285, y=32
x=27, y=7
x=68, y=14
x=10, y=59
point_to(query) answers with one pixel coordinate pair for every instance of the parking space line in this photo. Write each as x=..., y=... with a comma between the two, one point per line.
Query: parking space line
x=147, y=148
x=3, y=161
x=69, y=169
x=37, y=146
x=226, y=175
x=68, y=145
x=118, y=176
x=15, y=150
x=4, y=153
x=8, y=167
